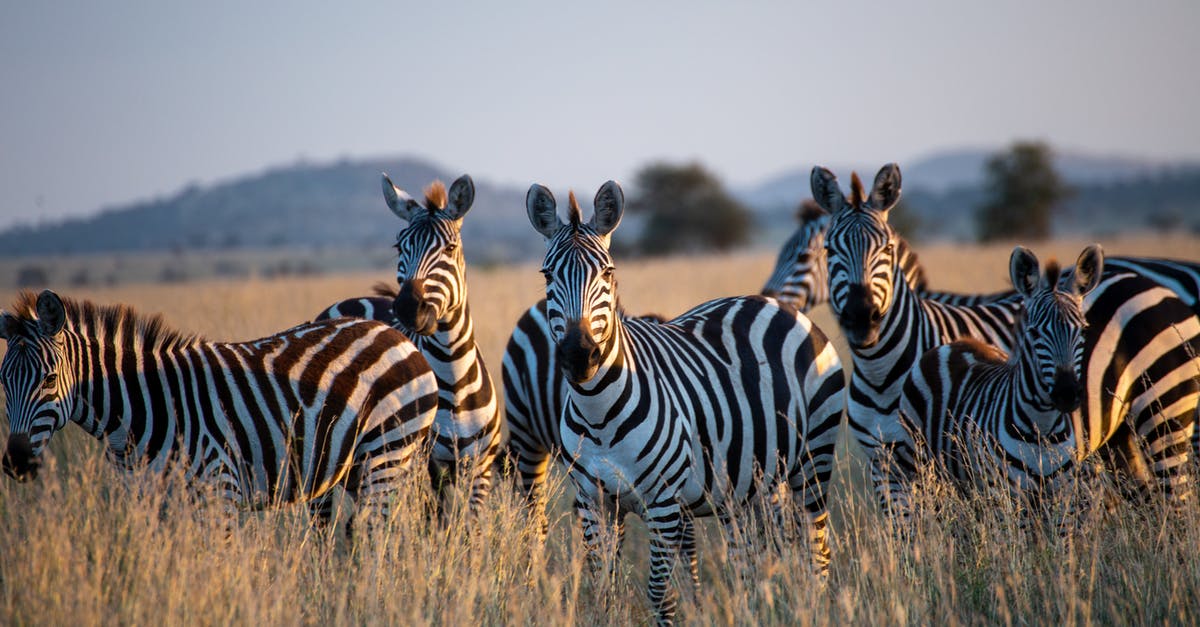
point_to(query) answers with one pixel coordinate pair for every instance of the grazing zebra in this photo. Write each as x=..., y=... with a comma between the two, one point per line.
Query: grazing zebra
x=684, y=418
x=981, y=415
x=431, y=308
x=276, y=420
x=1139, y=357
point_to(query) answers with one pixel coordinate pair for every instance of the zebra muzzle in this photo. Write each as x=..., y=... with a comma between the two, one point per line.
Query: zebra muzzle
x=412, y=310
x=19, y=461
x=579, y=354
x=1067, y=393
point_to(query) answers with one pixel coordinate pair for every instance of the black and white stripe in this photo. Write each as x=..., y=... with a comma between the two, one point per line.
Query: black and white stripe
x=431, y=307
x=984, y=417
x=1139, y=360
x=691, y=417
x=276, y=420
x=801, y=275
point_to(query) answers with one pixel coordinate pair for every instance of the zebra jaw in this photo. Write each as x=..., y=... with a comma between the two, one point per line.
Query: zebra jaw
x=19, y=461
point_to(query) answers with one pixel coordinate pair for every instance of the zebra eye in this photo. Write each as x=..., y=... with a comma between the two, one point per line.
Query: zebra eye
x=546, y=274
x=50, y=381
x=451, y=247
x=608, y=273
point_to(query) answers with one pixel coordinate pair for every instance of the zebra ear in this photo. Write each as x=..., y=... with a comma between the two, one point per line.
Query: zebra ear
x=462, y=196
x=825, y=190
x=50, y=312
x=609, y=205
x=9, y=325
x=542, y=210
x=886, y=192
x=398, y=200
x=1085, y=276
x=1023, y=269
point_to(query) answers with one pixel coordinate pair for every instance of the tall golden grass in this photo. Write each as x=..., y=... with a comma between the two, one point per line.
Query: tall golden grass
x=87, y=544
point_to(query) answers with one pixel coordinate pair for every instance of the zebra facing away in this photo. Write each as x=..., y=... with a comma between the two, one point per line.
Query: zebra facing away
x=280, y=419
x=431, y=308
x=984, y=416
x=684, y=418
x=1140, y=372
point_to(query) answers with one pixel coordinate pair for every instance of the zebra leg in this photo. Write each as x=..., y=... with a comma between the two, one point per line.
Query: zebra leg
x=532, y=469
x=807, y=484
x=441, y=479
x=664, y=523
x=603, y=531
x=320, y=510
x=687, y=549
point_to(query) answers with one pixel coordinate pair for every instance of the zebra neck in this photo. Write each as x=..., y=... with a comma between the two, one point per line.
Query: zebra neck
x=450, y=350
x=127, y=389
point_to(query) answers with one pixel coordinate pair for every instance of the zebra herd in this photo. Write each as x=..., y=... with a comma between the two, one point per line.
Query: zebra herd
x=737, y=401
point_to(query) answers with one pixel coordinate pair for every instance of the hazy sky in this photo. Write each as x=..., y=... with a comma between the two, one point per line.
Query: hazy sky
x=107, y=102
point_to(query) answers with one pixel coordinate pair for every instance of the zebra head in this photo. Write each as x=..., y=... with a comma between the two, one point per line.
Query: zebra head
x=861, y=250
x=1050, y=332
x=800, y=277
x=35, y=382
x=581, y=286
x=431, y=267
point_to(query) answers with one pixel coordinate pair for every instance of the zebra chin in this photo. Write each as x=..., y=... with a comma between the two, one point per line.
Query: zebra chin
x=1067, y=393
x=19, y=461
x=861, y=338
x=579, y=355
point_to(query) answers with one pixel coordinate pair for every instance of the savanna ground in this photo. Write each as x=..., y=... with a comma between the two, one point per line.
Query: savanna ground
x=85, y=544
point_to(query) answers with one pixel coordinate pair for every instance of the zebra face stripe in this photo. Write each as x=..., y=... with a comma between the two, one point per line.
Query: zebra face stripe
x=861, y=253
x=35, y=399
x=430, y=271
x=581, y=302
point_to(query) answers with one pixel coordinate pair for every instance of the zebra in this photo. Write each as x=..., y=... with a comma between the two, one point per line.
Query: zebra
x=684, y=418
x=985, y=416
x=282, y=419
x=1139, y=356
x=801, y=276
x=431, y=308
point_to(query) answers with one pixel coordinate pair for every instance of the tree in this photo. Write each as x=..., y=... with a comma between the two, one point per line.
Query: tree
x=687, y=209
x=1023, y=190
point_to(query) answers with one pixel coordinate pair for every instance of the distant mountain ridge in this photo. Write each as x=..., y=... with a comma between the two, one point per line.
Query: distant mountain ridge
x=338, y=205
x=304, y=205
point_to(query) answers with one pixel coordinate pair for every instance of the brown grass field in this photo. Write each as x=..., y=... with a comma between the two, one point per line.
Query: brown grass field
x=86, y=544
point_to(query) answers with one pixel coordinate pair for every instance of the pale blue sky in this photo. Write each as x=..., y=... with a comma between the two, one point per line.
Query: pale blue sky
x=107, y=102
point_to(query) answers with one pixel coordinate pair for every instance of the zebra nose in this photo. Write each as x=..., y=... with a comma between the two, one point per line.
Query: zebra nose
x=19, y=461
x=411, y=308
x=578, y=353
x=1067, y=394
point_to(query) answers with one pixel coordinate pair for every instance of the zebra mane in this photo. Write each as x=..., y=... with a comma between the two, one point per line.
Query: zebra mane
x=809, y=210
x=1053, y=270
x=387, y=290
x=106, y=319
x=981, y=349
x=857, y=195
x=573, y=211
x=435, y=196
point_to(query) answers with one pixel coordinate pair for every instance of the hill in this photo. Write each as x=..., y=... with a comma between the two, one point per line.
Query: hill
x=335, y=205
x=1111, y=194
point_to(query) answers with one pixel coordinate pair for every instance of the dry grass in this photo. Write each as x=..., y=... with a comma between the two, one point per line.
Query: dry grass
x=87, y=544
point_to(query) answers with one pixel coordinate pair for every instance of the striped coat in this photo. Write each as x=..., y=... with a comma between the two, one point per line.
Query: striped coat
x=984, y=417
x=691, y=417
x=281, y=419
x=1139, y=354
x=431, y=308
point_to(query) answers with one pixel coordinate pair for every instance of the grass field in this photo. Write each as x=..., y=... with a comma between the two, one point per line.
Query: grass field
x=85, y=544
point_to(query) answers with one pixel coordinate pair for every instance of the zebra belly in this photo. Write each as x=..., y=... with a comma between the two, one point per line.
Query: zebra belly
x=463, y=434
